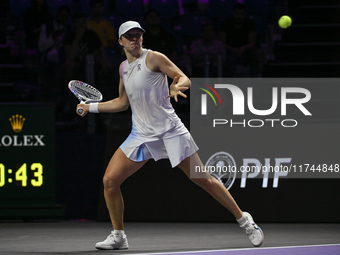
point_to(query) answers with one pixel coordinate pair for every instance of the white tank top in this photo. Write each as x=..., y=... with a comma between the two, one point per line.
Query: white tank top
x=152, y=112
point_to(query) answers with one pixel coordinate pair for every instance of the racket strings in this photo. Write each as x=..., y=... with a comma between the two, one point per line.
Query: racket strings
x=87, y=92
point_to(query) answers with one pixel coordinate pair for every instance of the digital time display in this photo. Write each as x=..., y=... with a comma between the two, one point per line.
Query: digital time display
x=27, y=161
x=20, y=176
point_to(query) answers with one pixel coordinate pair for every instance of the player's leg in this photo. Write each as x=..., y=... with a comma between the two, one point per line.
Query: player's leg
x=217, y=190
x=211, y=185
x=118, y=170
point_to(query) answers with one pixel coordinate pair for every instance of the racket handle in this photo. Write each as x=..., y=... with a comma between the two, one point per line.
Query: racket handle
x=80, y=109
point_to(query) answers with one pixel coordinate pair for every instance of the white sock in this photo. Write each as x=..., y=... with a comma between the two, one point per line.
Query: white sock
x=241, y=220
x=119, y=232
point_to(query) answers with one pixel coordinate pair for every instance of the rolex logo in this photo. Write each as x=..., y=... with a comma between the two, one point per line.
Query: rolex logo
x=17, y=122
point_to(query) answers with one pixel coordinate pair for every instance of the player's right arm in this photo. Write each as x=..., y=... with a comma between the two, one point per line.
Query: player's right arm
x=121, y=103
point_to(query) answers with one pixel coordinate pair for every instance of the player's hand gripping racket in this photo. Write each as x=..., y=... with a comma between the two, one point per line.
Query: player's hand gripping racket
x=85, y=93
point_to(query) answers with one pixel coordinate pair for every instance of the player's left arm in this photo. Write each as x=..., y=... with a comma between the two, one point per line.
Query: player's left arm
x=158, y=62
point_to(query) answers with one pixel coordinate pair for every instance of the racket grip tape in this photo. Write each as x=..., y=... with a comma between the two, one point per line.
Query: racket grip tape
x=80, y=110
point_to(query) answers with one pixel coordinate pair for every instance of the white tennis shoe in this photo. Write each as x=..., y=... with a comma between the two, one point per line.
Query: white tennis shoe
x=113, y=242
x=253, y=231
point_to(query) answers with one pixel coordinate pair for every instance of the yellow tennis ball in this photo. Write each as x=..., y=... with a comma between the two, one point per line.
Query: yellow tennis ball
x=285, y=21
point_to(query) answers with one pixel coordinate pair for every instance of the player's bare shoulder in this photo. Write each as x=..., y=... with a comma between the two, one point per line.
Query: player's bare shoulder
x=154, y=60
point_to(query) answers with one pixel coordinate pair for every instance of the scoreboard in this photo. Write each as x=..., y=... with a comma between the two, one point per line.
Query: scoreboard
x=27, y=162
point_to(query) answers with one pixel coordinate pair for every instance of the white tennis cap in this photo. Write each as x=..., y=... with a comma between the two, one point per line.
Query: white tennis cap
x=128, y=25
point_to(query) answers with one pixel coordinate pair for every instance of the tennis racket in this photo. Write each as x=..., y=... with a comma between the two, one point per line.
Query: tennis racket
x=85, y=93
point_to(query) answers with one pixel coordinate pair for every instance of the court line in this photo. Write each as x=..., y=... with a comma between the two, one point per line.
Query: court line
x=244, y=249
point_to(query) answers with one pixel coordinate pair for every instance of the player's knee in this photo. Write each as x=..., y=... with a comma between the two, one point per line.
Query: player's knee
x=110, y=184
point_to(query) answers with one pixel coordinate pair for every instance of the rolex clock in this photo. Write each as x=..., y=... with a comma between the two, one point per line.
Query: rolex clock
x=27, y=162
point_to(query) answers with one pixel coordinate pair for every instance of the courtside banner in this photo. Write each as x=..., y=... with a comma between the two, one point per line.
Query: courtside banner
x=269, y=128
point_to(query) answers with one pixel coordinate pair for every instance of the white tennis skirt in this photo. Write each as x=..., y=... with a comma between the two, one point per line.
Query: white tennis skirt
x=174, y=145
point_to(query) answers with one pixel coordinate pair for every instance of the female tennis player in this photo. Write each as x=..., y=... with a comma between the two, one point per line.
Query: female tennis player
x=157, y=132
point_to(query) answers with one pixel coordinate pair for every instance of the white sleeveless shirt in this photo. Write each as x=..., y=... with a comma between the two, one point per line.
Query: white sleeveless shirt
x=152, y=112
